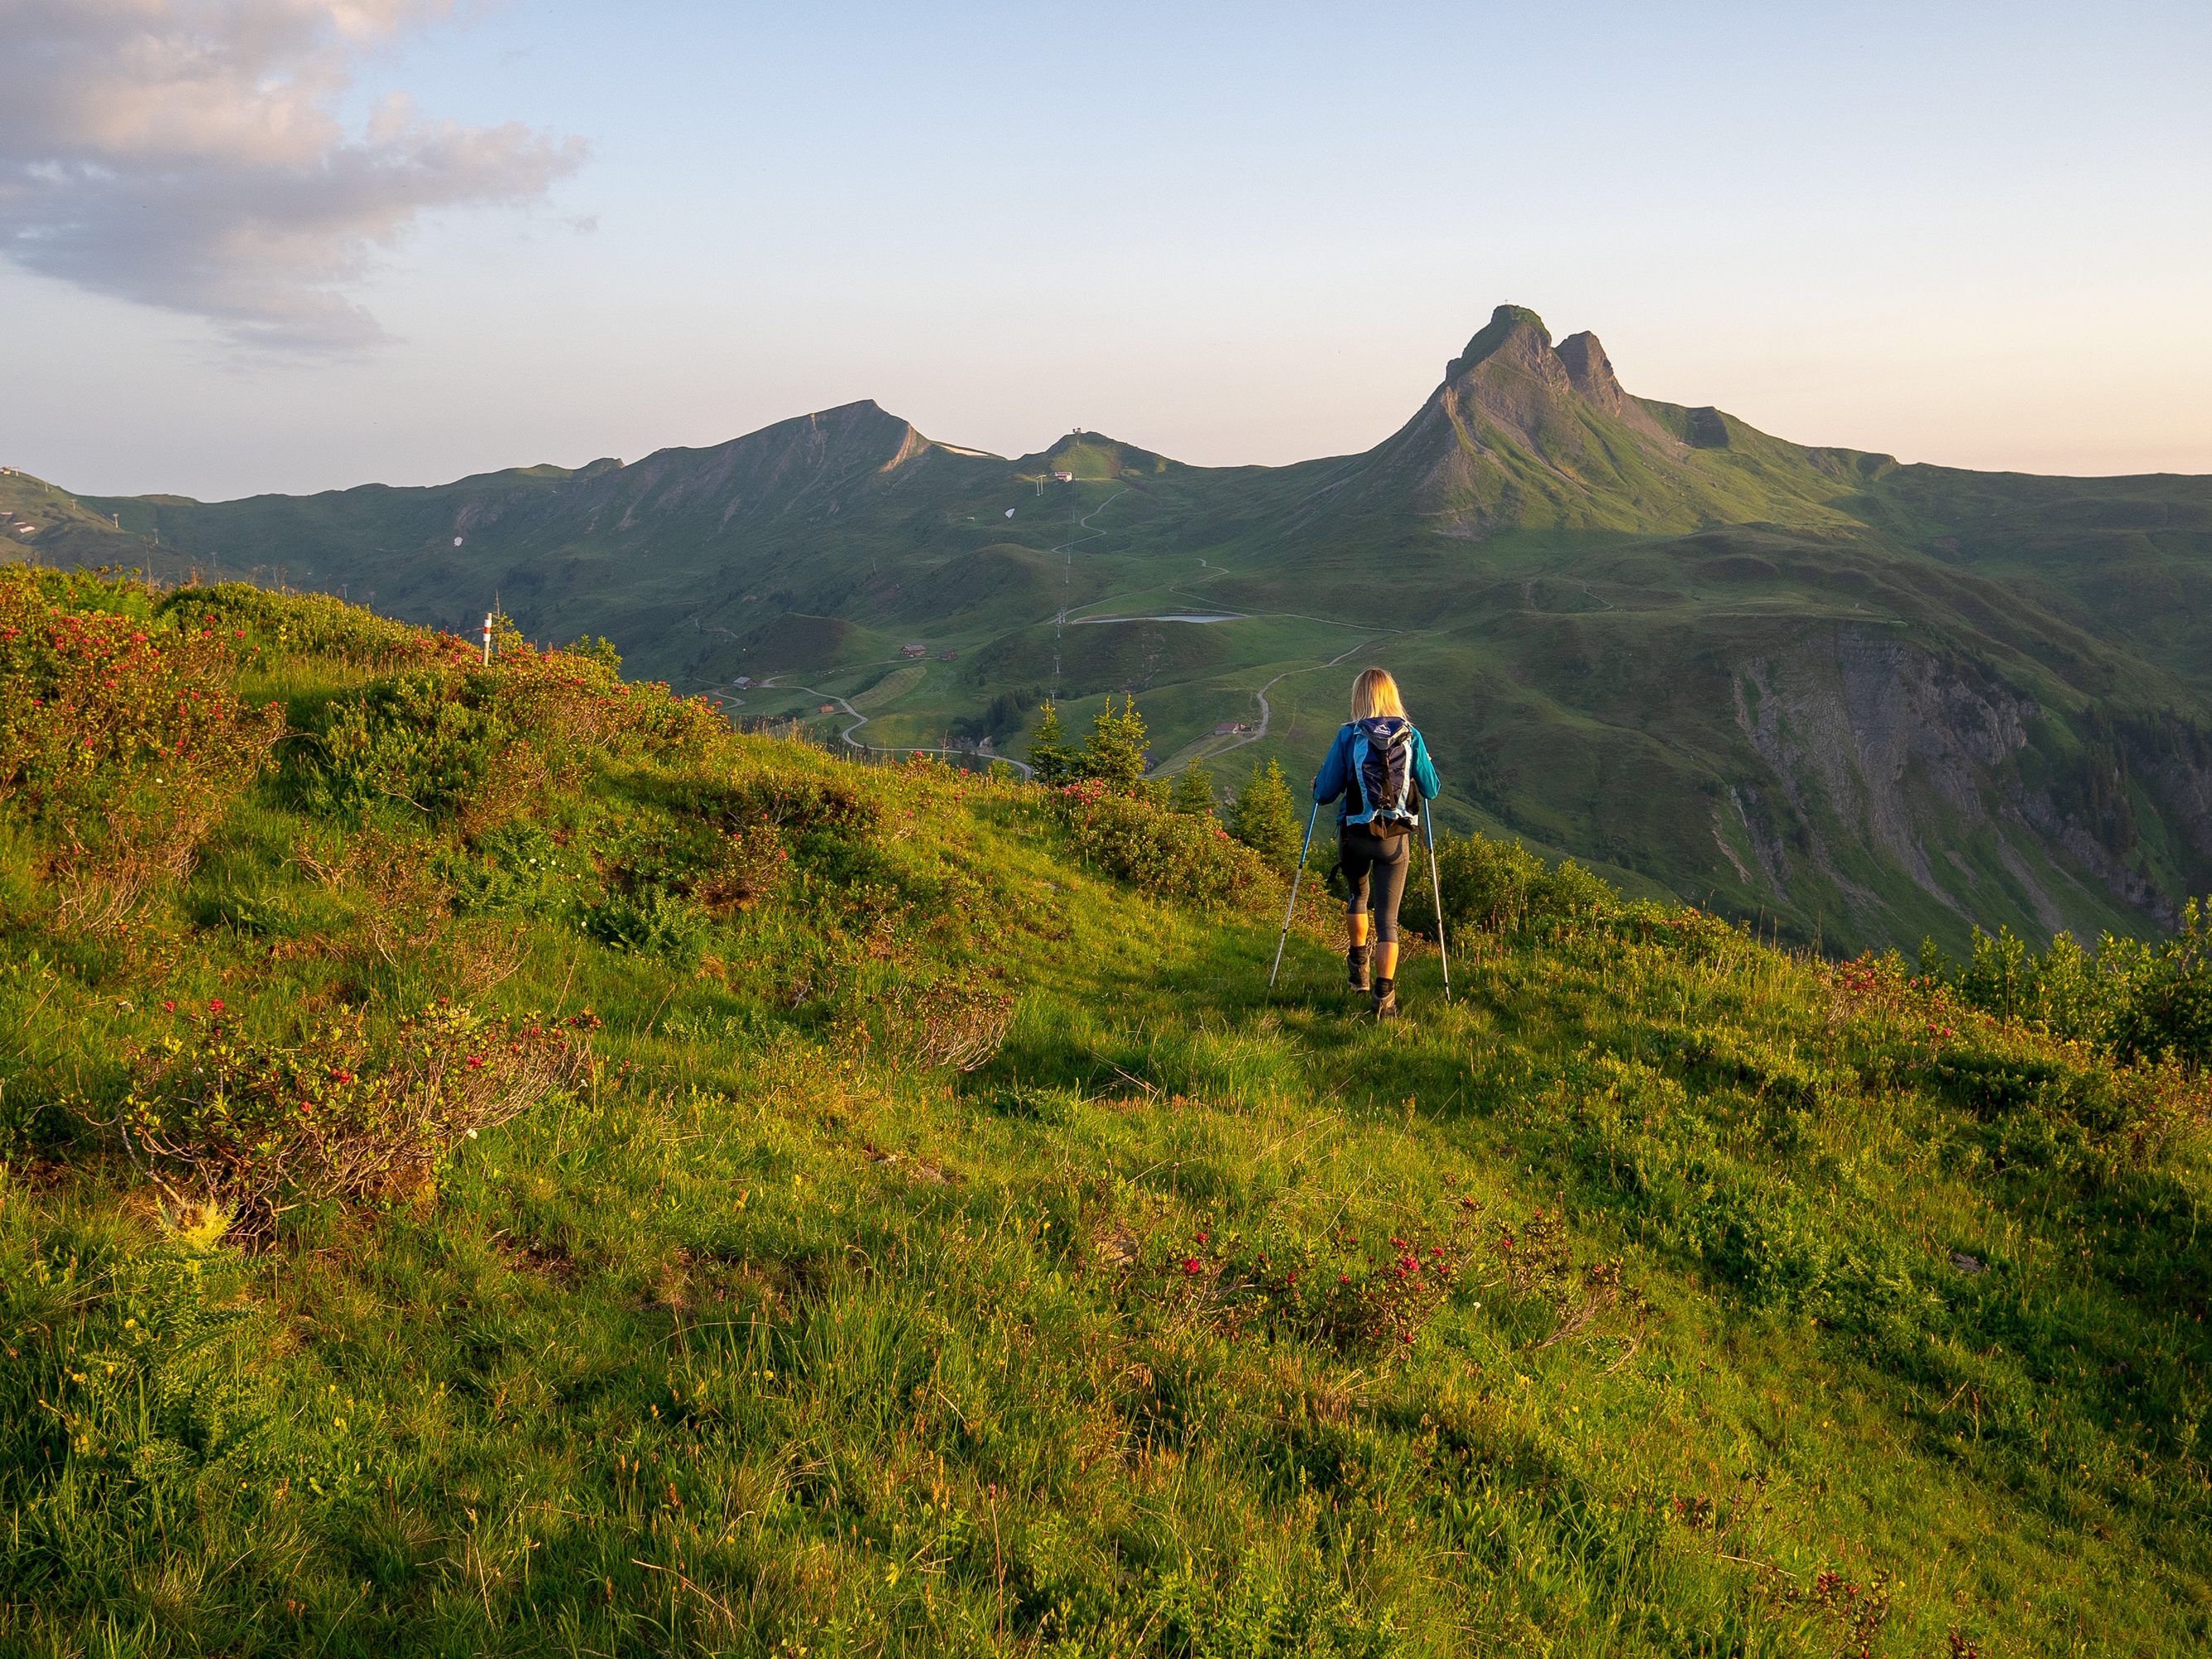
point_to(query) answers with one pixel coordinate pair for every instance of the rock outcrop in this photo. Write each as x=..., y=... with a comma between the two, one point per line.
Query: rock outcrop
x=1523, y=434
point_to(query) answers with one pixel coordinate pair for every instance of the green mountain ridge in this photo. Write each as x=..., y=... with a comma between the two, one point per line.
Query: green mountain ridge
x=1858, y=700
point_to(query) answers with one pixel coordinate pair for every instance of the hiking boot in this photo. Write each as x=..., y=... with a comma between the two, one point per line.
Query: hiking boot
x=1386, y=998
x=1355, y=960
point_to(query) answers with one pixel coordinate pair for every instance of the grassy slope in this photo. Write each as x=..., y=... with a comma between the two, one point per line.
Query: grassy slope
x=2126, y=557
x=63, y=530
x=776, y=1334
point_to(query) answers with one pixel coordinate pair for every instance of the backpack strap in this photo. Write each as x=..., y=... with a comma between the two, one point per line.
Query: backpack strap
x=1353, y=786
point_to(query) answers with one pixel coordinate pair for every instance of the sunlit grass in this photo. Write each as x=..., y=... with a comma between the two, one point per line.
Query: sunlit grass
x=1747, y=1321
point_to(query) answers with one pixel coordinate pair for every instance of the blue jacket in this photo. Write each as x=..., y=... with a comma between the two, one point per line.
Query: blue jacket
x=1336, y=770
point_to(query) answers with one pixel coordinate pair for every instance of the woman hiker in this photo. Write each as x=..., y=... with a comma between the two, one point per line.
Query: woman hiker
x=1381, y=767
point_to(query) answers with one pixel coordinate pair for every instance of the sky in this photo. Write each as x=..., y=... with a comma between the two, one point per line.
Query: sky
x=296, y=244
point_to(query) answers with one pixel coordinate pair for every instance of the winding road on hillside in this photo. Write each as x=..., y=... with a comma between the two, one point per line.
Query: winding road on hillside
x=1266, y=710
x=1369, y=632
x=860, y=719
x=1061, y=621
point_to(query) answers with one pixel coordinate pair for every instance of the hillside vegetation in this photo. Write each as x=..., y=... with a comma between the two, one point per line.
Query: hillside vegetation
x=497, y=1162
x=1856, y=701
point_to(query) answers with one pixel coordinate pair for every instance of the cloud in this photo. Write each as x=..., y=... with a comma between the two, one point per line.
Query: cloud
x=184, y=153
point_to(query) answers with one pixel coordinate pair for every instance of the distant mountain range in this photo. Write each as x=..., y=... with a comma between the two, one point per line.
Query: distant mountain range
x=1859, y=700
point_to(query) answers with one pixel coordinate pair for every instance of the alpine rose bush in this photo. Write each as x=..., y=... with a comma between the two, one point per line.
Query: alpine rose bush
x=258, y=1127
x=569, y=697
x=121, y=737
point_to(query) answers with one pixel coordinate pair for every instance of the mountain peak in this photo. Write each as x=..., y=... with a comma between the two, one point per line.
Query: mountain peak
x=1590, y=371
x=1092, y=456
x=1513, y=331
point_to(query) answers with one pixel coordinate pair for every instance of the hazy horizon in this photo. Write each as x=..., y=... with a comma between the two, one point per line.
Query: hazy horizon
x=289, y=245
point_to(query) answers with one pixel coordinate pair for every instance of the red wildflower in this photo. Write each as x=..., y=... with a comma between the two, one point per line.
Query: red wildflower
x=1190, y=1264
x=214, y=1005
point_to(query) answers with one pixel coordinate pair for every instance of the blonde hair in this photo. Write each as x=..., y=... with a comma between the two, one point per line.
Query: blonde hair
x=1375, y=693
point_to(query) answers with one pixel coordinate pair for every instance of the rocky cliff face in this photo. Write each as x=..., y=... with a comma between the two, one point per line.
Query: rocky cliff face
x=1873, y=744
x=1590, y=372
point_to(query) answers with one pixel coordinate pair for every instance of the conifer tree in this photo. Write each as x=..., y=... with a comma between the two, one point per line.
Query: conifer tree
x=1050, y=758
x=1266, y=818
x=1113, y=753
x=1194, y=792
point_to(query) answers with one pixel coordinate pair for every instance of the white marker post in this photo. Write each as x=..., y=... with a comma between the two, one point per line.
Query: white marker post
x=486, y=639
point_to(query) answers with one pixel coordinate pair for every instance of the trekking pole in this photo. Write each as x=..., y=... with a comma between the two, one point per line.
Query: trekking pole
x=1436, y=886
x=1291, y=908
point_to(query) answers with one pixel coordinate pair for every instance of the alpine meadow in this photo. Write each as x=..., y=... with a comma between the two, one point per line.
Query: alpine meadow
x=1248, y=958
x=498, y=1161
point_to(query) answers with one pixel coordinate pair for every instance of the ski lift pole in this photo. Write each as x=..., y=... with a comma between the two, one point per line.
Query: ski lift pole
x=1290, y=909
x=1437, y=887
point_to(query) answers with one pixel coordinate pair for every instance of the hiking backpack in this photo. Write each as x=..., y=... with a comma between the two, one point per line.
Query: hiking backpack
x=1382, y=772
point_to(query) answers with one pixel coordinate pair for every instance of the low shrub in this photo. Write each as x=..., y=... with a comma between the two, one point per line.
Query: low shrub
x=563, y=698
x=121, y=738
x=796, y=800
x=2065, y=1113
x=1501, y=889
x=1170, y=855
x=2140, y=1002
x=412, y=739
x=953, y=1021
x=258, y=1127
x=665, y=880
x=317, y=625
x=1683, y=931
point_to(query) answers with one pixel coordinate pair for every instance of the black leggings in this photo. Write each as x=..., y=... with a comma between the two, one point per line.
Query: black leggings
x=1388, y=857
